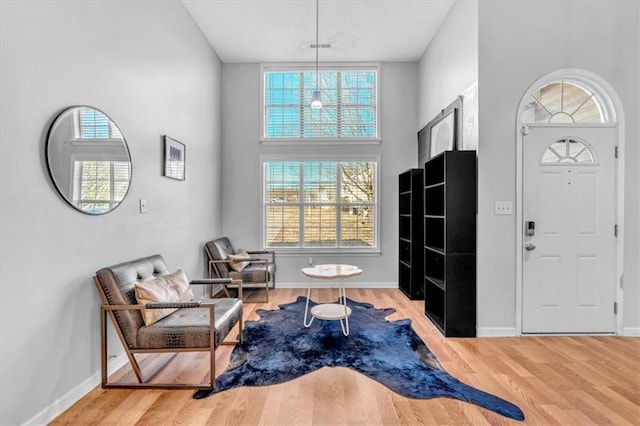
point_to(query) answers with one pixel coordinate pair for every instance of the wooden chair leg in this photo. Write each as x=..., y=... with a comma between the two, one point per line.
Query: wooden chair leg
x=266, y=281
x=144, y=382
x=212, y=347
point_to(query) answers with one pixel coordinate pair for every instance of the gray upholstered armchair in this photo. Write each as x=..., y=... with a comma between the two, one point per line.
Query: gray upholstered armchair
x=176, y=326
x=256, y=269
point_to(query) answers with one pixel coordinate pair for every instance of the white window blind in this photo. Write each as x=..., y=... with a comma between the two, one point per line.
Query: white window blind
x=92, y=124
x=349, y=99
x=99, y=186
x=320, y=204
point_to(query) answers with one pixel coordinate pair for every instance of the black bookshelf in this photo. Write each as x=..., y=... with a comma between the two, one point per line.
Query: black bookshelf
x=450, y=200
x=410, y=244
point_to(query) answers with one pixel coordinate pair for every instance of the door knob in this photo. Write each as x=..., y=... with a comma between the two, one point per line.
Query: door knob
x=529, y=247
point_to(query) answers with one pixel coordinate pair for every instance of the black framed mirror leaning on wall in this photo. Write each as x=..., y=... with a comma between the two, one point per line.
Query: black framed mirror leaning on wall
x=88, y=160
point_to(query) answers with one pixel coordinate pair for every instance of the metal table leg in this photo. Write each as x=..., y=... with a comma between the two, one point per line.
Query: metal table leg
x=306, y=307
x=344, y=323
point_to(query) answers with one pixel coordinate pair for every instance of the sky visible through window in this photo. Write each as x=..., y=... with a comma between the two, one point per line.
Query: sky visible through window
x=349, y=100
x=320, y=204
x=286, y=174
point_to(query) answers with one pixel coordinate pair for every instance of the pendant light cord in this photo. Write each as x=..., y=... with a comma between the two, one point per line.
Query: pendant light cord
x=317, y=45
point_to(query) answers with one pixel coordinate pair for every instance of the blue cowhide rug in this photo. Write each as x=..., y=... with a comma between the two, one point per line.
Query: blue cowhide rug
x=278, y=348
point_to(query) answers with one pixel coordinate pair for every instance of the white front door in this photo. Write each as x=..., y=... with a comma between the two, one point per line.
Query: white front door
x=569, y=207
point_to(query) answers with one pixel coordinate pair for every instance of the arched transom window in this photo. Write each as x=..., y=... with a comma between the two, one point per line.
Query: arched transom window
x=564, y=102
x=568, y=150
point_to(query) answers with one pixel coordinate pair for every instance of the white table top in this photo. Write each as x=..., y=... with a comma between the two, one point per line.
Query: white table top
x=332, y=271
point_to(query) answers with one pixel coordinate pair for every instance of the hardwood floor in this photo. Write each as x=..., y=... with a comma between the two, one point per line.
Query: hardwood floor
x=554, y=380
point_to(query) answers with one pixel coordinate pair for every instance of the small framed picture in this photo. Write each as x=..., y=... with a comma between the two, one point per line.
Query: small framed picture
x=173, y=159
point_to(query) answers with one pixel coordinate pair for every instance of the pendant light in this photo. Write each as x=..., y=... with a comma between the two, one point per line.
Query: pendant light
x=316, y=103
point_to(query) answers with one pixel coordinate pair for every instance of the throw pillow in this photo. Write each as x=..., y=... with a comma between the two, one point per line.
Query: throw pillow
x=238, y=262
x=173, y=287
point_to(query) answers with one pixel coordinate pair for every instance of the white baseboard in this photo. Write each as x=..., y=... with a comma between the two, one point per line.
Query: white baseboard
x=58, y=406
x=332, y=284
x=496, y=332
x=511, y=332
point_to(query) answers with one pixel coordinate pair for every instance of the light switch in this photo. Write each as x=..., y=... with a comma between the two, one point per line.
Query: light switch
x=503, y=207
x=143, y=206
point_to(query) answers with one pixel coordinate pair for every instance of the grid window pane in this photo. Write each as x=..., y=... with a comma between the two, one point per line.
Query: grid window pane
x=358, y=182
x=320, y=226
x=282, y=182
x=99, y=186
x=92, y=124
x=283, y=225
x=320, y=182
x=358, y=226
x=568, y=151
x=563, y=102
x=320, y=204
x=349, y=104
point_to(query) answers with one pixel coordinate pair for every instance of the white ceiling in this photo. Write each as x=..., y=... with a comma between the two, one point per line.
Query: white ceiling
x=281, y=30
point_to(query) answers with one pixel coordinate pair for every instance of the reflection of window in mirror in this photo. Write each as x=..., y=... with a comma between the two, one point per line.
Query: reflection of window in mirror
x=99, y=186
x=88, y=159
x=92, y=124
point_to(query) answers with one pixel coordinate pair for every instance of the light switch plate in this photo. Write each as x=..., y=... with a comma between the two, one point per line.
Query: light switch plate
x=143, y=206
x=503, y=207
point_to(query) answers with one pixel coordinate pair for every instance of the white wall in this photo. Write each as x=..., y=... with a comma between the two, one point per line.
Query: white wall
x=520, y=42
x=149, y=68
x=504, y=46
x=449, y=65
x=242, y=173
x=634, y=244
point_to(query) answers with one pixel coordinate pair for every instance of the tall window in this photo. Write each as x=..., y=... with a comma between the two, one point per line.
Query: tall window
x=320, y=204
x=349, y=99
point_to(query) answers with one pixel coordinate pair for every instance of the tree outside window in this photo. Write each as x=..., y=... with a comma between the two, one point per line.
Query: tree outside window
x=349, y=99
x=320, y=204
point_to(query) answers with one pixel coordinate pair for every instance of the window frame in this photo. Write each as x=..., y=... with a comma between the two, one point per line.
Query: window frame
x=586, y=88
x=374, y=249
x=77, y=183
x=585, y=147
x=307, y=66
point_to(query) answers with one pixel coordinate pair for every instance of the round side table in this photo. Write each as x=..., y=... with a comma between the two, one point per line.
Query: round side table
x=330, y=311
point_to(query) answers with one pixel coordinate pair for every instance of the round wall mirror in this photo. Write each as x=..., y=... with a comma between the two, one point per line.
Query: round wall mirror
x=88, y=160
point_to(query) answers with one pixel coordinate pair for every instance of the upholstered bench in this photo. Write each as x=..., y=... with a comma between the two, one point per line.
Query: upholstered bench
x=175, y=325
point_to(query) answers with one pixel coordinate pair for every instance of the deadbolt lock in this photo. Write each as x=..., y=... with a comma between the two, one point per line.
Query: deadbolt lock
x=530, y=228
